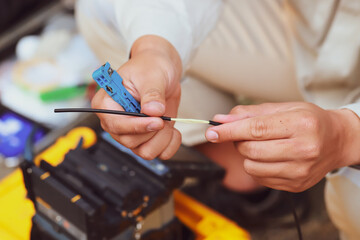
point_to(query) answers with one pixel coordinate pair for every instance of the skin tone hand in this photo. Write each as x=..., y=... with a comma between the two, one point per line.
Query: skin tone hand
x=290, y=146
x=152, y=76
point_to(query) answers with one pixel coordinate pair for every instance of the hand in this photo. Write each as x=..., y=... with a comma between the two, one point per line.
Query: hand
x=290, y=146
x=152, y=76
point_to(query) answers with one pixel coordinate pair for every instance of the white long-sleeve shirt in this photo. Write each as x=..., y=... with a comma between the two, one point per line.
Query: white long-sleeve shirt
x=327, y=51
x=184, y=23
x=325, y=37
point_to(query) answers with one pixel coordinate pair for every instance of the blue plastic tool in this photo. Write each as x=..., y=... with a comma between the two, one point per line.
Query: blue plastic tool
x=111, y=82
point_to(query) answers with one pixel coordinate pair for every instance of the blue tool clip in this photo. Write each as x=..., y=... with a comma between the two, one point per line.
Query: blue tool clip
x=111, y=82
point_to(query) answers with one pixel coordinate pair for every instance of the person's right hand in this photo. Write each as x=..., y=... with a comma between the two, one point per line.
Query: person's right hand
x=152, y=76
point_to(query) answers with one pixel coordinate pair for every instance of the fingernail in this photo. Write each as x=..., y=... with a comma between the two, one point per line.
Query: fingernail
x=155, y=106
x=212, y=136
x=153, y=126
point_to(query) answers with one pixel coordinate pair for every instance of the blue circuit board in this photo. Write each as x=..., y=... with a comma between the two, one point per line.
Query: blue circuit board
x=111, y=82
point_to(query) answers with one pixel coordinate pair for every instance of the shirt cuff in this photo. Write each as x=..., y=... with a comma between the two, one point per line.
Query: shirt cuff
x=355, y=107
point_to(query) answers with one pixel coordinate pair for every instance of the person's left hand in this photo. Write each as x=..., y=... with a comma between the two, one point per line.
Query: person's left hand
x=290, y=146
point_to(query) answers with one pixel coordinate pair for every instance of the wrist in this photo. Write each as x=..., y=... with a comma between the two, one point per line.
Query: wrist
x=157, y=45
x=348, y=128
x=161, y=52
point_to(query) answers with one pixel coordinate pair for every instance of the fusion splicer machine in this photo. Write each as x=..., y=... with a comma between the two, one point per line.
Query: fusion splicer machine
x=101, y=192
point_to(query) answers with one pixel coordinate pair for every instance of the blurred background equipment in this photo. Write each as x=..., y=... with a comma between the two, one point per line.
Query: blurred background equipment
x=55, y=72
x=45, y=64
x=14, y=130
x=21, y=17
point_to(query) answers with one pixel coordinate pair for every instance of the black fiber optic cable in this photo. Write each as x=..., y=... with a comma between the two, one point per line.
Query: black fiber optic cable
x=108, y=111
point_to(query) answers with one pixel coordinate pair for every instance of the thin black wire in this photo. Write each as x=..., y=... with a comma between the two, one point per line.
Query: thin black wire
x=296, y=219
x=94, y=110
x=108, y=111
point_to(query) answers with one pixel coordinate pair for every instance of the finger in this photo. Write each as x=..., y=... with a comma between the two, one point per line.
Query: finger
x=269, y=151
x=248, y=111
x=121, y=125
x=156, y=145
x=282, y=184
x=132, y=141
x=241, y=112
x=151, y=89
x=103, y=100
x=258, y=169
x=274, y=126
x=274, y=183
x=173, y=146
x=296, y=172
x=117, y=124
x=261, y=109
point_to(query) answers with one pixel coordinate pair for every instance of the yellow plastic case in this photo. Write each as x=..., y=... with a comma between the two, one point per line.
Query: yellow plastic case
x=206, y=223
x=16, y=210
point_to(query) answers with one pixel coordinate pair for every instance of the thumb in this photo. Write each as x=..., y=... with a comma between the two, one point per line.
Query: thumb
x=152, y=96
x=241, y=112
x=148, y=83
